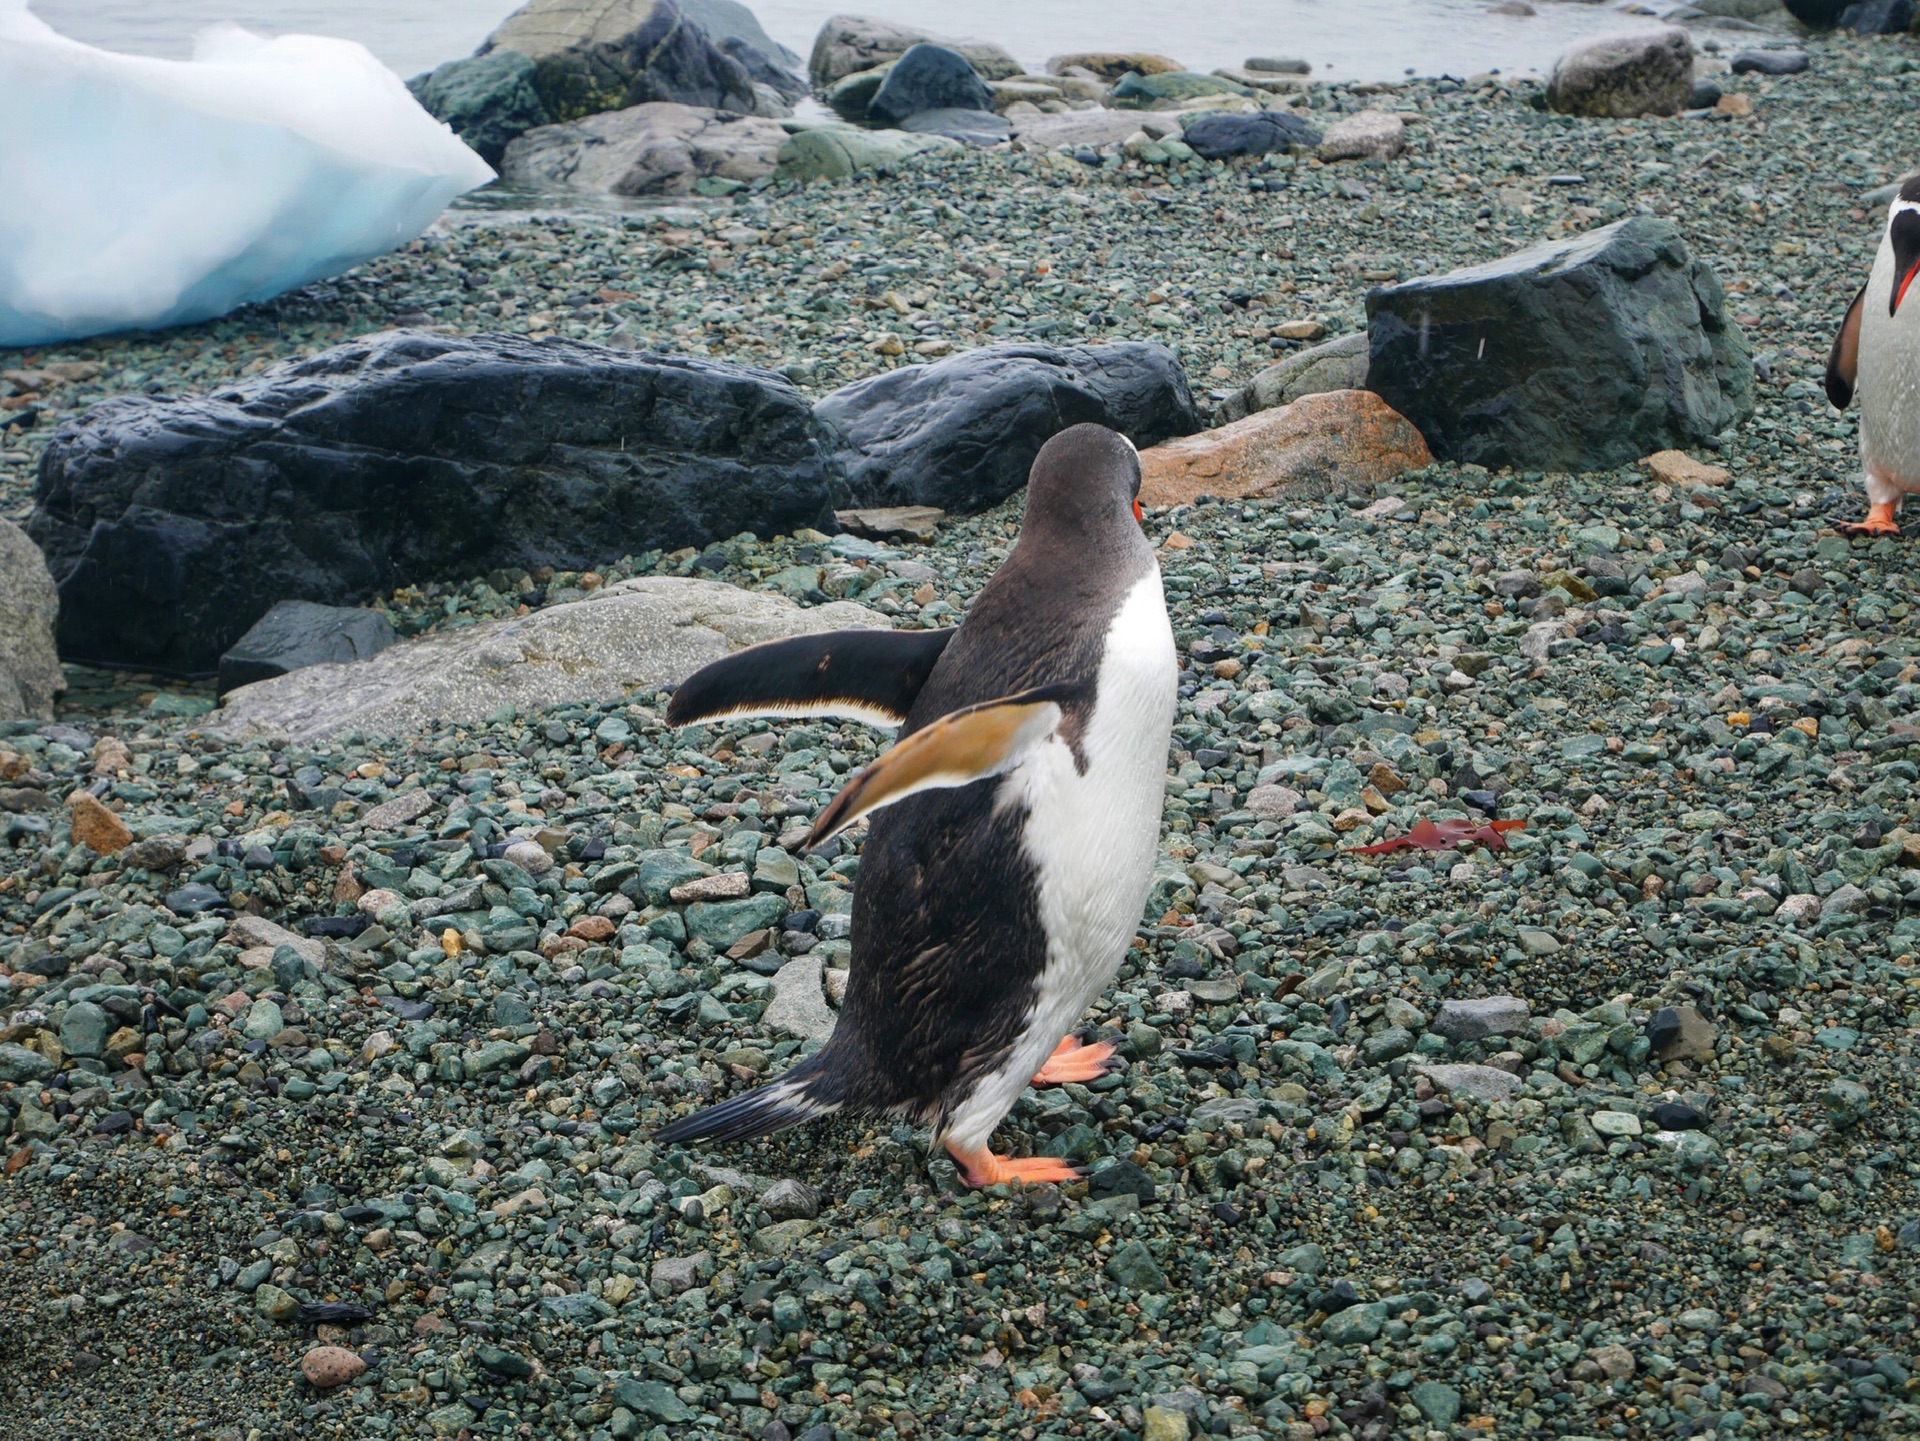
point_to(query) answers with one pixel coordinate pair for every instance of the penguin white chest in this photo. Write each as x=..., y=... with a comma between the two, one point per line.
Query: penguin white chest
x=1889, y=382
x=1090, y=837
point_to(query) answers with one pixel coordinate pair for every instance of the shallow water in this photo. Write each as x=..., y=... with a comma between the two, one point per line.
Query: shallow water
x=1345, y=39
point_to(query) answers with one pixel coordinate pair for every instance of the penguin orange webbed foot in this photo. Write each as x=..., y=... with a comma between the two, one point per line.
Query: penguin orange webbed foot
x=982, y=1168
x=1879, y=521
x=1072, y=1061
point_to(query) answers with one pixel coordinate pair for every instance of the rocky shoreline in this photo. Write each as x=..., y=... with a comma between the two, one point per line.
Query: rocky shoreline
x=1607, y=1131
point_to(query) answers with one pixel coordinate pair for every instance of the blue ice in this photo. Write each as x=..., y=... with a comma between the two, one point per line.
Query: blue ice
x=138, y=193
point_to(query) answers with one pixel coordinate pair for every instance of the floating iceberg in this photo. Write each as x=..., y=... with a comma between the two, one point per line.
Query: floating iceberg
x=139, y=193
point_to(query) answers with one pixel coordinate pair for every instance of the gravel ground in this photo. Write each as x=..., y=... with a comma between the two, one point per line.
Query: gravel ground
x=1674, y=1195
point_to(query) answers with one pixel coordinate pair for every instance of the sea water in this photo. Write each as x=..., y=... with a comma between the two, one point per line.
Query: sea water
x=1342, y=39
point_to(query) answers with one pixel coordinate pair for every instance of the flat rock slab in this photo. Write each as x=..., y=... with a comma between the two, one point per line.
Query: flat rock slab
x=654, y=149
x=1577, y=355
x=1092, y=129
x=981, y=129
x=1483, y=1083
x=171, y=526
x=1347, y=438
x=638, y=635
x=894, y=522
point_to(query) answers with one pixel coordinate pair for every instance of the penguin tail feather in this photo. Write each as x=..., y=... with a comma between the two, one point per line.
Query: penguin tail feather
x=802, y=1094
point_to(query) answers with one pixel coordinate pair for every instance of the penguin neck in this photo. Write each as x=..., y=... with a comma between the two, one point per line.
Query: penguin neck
x=1077, y=530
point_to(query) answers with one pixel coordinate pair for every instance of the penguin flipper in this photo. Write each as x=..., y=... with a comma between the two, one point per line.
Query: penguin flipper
x=864, y=675
x=1843, y=361
x=968, y=745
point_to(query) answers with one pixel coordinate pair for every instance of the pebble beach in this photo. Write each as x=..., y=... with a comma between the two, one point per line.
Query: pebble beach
x=1599, y=1127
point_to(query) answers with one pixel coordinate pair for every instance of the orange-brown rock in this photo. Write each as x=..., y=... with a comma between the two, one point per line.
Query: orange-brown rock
x=592, y=928
x=1110, y=65
x=1343, y=439
x=328, y=1366
x=1676, y=467
x=96, y=827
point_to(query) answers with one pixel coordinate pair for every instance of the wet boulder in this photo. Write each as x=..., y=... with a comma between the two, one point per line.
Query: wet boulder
x=1577, y=355
x=961, y=434
x=171, y=526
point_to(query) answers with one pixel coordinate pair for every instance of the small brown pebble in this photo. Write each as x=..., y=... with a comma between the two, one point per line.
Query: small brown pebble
x=328, y=1366
x=591, y=928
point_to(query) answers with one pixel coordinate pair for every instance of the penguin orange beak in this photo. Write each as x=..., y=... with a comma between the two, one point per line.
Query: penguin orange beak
x=1900, y=290
x=1141, y=516
x=1904, y=232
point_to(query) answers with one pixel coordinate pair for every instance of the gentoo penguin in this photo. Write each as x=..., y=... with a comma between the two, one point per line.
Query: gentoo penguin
x=1878, y=351
x=1013, y=824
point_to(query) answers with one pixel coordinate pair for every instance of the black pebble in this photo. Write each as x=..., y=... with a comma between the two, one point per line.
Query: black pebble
x=1674, y=1116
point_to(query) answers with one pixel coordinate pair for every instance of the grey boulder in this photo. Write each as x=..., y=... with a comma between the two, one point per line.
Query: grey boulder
x=1337, y=365
x=296, y=634
x=847, y=44
x=962, y=433
x=637, y=636
x=30, y=674
x=1576, y=355
x=488, y=100
x=734, y=29
x=595, y=55
x=655, y=149
x=171, y=526
x=1622, y=76
x=928, y=77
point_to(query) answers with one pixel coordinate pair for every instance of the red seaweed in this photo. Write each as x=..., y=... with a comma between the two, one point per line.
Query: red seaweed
x=1430, y=835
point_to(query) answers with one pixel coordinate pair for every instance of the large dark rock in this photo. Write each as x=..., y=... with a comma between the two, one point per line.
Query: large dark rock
x=928, y=77
x=1817, y=14
x=172, y=526
x=961, y=434
x=1224, y=134
x=296, y=634
x=595, y=55
x=487, y=99
x=1578, y=355
x=1878, y=17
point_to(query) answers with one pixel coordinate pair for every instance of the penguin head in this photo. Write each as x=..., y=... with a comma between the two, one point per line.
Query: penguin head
x=1903, y=233
x=1085, y=481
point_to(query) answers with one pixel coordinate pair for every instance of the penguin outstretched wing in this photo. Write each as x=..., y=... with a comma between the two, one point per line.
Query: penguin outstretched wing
x=968, y=745
x=864, y=675
x=1843, y=361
